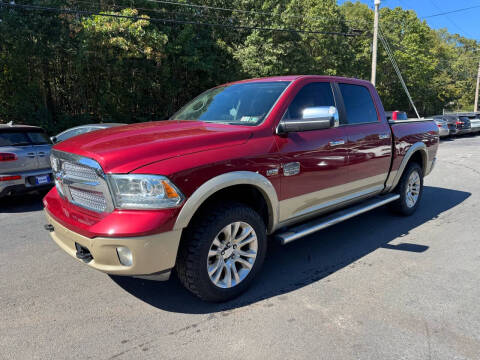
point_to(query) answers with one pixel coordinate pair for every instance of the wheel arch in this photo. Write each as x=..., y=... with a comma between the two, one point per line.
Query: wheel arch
x=418, y=153
x=237, y=180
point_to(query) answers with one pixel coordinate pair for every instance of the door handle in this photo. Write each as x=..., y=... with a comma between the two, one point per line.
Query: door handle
x=337, y=142
x=383, y=136
x=31, y=155
x=41, y=153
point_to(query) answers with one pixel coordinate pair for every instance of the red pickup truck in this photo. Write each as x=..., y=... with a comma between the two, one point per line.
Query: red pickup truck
x=200, y=193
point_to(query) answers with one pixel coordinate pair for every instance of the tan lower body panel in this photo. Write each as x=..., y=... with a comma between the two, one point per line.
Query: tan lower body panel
x=303, y=205
x=151, y=254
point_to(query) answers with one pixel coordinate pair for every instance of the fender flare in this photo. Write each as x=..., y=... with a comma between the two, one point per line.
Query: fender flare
x=395, y=175
x=223, y=181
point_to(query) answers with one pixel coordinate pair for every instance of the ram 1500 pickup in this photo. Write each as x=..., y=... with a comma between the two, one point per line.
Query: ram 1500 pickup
x=200, y=193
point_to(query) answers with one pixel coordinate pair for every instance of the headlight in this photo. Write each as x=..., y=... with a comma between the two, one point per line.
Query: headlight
x=144, y=192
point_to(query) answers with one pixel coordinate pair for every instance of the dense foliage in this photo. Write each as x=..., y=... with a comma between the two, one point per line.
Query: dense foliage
x=59, y=69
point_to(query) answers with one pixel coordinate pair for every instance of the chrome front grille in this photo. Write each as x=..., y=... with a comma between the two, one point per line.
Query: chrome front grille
x=92, y=200
x=78, y=172
x=81, y=181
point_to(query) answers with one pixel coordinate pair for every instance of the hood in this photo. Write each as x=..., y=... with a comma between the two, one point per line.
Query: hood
x=125, y=148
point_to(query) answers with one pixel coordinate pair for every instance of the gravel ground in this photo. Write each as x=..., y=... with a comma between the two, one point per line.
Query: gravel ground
x=375, y=287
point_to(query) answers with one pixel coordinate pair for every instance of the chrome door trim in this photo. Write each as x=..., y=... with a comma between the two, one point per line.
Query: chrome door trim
x=223, y=181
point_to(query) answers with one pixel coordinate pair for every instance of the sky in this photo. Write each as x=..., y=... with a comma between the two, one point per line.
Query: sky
x=465, y=23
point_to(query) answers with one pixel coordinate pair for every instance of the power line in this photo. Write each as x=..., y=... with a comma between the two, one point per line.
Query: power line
x=172, y=21
x=253, y=12
x=451, y=20
x=203, y=7
x=397, y=69
x=452, y=11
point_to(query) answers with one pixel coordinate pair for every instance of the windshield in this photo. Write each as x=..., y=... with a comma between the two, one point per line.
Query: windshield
x=239, y=104
x=74, y=132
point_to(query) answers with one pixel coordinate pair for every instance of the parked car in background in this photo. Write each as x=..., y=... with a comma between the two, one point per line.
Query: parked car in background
x=463, y=124
x=24, y=159
x=474, y=122
x=82, y=129
x=396, y=115
x=200, y=193
x=453, y=123
x=442, y=127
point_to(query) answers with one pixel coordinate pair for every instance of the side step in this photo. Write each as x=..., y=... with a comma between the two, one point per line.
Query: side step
x=299, y=231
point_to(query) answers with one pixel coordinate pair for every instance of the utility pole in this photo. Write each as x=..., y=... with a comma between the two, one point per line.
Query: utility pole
x=375, y=42
x=475, y=109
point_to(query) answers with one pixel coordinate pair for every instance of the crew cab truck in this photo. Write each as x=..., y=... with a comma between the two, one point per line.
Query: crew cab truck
x=200, y=193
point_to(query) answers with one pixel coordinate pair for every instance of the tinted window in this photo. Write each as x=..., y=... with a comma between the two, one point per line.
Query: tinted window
x=311, y=95
x=14, y=139
x=38, y=138
x=240, y=104
x=358, y=104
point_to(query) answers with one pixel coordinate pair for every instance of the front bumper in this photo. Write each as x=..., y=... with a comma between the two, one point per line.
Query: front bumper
x=153, y=256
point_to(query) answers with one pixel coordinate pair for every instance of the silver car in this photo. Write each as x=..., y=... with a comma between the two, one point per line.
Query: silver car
x=474, y=122
x=24, y=159
x=442, y=127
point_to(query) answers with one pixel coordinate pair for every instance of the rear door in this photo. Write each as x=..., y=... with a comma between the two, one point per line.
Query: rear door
x=16, y=142
x=369, y=139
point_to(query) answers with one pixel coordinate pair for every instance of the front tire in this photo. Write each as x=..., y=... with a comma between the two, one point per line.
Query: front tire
x=410, y=189
x=222, y=252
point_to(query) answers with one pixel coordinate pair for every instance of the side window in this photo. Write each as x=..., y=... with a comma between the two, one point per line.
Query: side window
x=358, y=104
x=311, y=95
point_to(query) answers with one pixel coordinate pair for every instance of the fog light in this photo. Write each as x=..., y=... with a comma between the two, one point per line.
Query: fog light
x=125, y=256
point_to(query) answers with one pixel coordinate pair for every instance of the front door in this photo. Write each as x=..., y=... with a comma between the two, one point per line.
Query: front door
x=313, y=163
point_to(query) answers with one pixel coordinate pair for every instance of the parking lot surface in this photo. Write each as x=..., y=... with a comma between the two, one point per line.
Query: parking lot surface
x=378, y=286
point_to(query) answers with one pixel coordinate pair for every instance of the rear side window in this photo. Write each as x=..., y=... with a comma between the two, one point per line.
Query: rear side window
x=358, y=104
x=311, y=95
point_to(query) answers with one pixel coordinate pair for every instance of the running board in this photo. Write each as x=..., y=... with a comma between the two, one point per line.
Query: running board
x=299, y=231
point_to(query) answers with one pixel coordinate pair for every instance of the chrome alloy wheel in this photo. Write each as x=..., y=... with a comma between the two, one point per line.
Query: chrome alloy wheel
x=232, y=254
x=413, y=189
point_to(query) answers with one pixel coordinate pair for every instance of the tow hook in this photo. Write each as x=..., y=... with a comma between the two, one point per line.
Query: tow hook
x=49, y=227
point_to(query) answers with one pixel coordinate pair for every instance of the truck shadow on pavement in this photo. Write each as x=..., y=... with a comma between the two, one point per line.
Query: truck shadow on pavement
x=288, y=268
x=22, y=203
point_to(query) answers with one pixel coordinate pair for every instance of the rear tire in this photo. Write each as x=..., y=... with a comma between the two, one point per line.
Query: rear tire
x=410, y=189
x=222, y=252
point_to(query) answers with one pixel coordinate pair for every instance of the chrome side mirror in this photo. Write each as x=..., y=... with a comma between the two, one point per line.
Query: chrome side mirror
x=313, y=118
